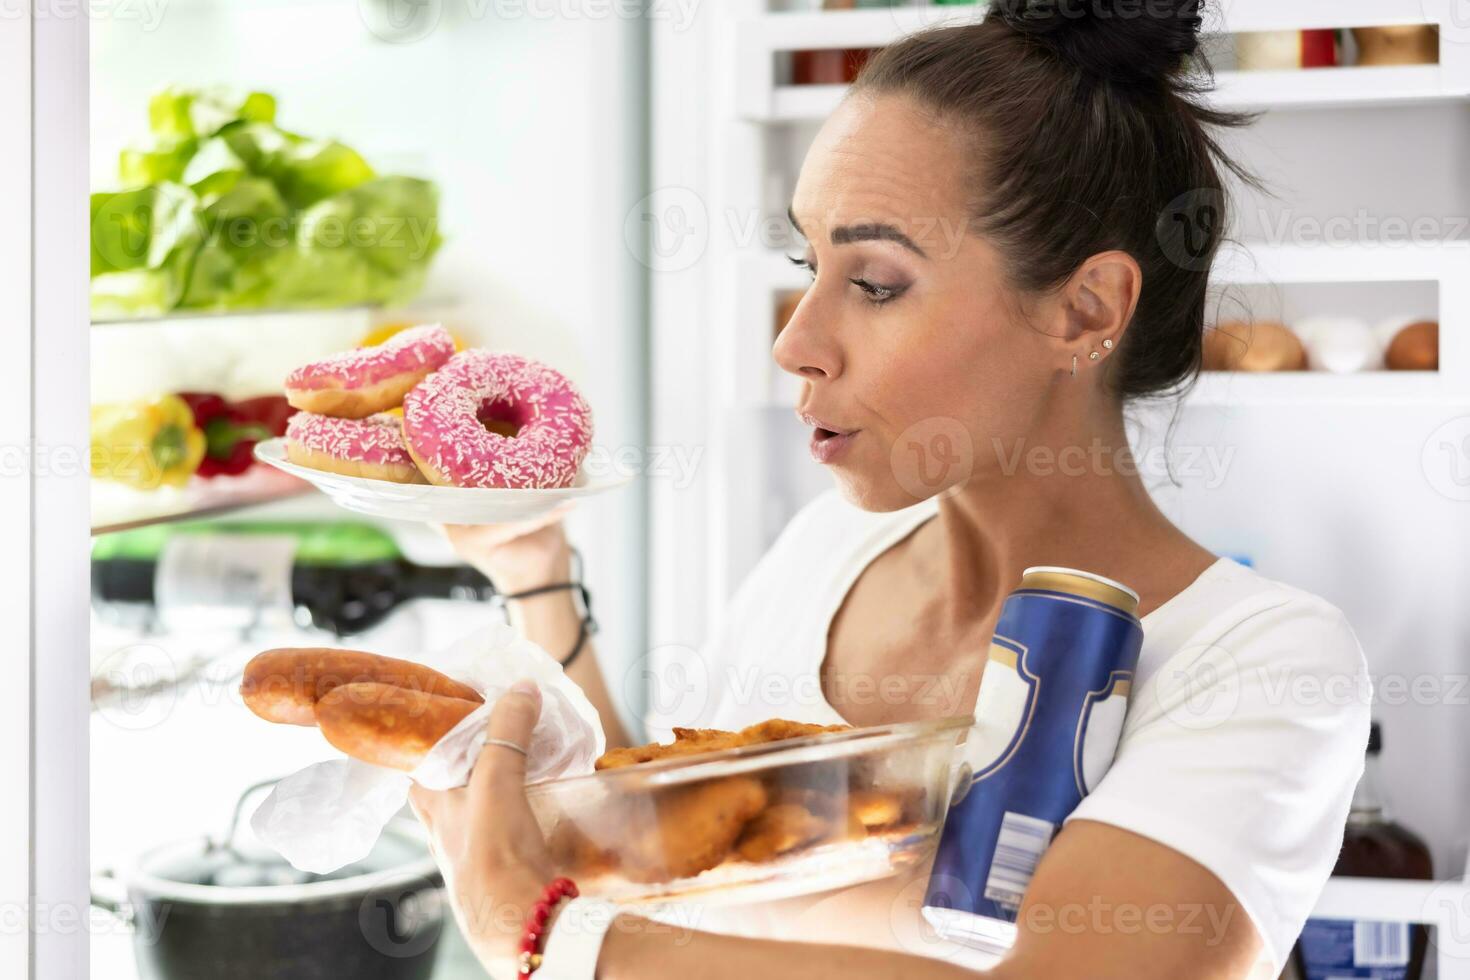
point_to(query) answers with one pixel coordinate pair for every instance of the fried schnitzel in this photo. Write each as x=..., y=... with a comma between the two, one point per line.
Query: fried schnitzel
x=696, y=741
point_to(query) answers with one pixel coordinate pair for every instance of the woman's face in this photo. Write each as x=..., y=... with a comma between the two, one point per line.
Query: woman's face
x=919, y=370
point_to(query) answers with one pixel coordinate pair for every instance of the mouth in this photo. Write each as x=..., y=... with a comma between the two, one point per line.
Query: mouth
x=828, y=440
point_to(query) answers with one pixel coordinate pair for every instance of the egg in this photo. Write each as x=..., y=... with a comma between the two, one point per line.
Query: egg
x=1263, y=345
x=1399, y=44
x=1415, y=348
x=1341, y=345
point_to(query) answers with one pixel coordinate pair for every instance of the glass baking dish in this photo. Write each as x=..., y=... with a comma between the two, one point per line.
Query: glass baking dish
x=755, y=822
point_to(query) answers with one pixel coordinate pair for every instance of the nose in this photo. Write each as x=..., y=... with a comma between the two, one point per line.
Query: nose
x=805, y=347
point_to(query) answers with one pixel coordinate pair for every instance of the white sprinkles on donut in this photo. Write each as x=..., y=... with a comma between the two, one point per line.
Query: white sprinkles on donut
x=407, y=351
x=377, y=439
x=442, y=422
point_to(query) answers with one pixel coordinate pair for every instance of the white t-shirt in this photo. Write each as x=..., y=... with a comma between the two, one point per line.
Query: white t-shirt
x=1244, y=738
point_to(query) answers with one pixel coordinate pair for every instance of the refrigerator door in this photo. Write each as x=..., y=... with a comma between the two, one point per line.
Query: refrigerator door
x=43, y=491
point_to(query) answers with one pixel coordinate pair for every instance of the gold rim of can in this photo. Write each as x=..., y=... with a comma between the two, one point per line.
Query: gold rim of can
x=1077, y=582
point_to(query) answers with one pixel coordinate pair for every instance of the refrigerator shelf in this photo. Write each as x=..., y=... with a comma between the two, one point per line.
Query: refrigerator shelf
x=1337, y=88
x=1323, y=88
x=119, y=508
x=760, y=39
x=302, y=319
x=1226, y=389
x=872, y=27
x=1330, y=261
x=428, y=306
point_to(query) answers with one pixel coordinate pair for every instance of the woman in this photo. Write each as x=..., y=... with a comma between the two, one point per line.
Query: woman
x=1004, y=246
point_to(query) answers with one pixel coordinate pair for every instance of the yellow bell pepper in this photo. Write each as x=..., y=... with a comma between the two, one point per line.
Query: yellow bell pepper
x=384, y=331
x=146, y=444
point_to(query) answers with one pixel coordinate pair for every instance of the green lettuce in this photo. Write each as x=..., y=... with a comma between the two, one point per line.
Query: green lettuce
x=164, y=159
x=245, y=229
x=181, y=112
x=224, y=210
x=143, y=245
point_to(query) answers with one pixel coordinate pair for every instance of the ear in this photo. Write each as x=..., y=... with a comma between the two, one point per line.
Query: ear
x=1099, y=300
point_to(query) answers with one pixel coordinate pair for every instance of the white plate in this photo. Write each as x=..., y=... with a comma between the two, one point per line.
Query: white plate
x=435, y=505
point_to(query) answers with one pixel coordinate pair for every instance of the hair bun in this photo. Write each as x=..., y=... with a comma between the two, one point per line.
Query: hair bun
x=1127, y=40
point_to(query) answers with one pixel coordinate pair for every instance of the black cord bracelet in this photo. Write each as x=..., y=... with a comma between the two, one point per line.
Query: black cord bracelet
x=588, y=624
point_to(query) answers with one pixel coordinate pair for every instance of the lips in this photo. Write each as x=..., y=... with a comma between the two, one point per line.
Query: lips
x=828, y=440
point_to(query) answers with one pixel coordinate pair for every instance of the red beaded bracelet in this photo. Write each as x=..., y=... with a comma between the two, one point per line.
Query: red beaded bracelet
x=536, y=919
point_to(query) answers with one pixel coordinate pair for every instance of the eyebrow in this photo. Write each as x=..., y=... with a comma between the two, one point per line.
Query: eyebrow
x=866, y=232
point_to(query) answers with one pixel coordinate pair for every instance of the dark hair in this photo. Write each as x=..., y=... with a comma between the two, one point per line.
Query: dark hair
x=1089, y=135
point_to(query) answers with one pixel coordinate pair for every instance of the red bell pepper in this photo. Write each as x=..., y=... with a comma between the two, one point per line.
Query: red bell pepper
x=231, y=429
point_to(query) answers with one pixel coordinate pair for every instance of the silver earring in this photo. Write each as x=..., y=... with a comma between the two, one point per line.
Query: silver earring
x=1108, y=344
x=1074, y=365
x=1093, y=356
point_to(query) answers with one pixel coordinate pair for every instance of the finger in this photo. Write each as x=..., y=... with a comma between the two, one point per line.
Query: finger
x=500, y=772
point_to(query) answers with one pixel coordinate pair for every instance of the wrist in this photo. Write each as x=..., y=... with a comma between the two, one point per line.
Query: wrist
x=542, y=609
x=547, y=566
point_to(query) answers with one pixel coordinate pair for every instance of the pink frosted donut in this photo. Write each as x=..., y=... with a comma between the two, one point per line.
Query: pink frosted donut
x=497, y=420
x=371, y=447
x=357, y=383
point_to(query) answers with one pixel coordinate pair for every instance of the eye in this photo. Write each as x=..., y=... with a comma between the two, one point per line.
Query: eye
x=802, y=263
x=876, y=292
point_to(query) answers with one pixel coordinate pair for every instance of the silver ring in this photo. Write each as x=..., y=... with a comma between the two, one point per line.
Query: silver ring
x=507, y=743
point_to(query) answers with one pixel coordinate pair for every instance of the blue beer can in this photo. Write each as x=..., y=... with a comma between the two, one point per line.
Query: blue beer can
x=1047, y=722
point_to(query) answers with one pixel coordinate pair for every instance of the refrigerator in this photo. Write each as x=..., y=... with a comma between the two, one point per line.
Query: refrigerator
x=612, y=184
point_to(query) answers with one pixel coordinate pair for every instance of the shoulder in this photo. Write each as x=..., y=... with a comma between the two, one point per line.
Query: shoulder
x=1256, y=670
x=1239, y=622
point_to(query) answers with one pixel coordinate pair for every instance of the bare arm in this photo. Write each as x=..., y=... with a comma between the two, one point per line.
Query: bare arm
x=638, y=948
x=1105, y=903
x=521, y=558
